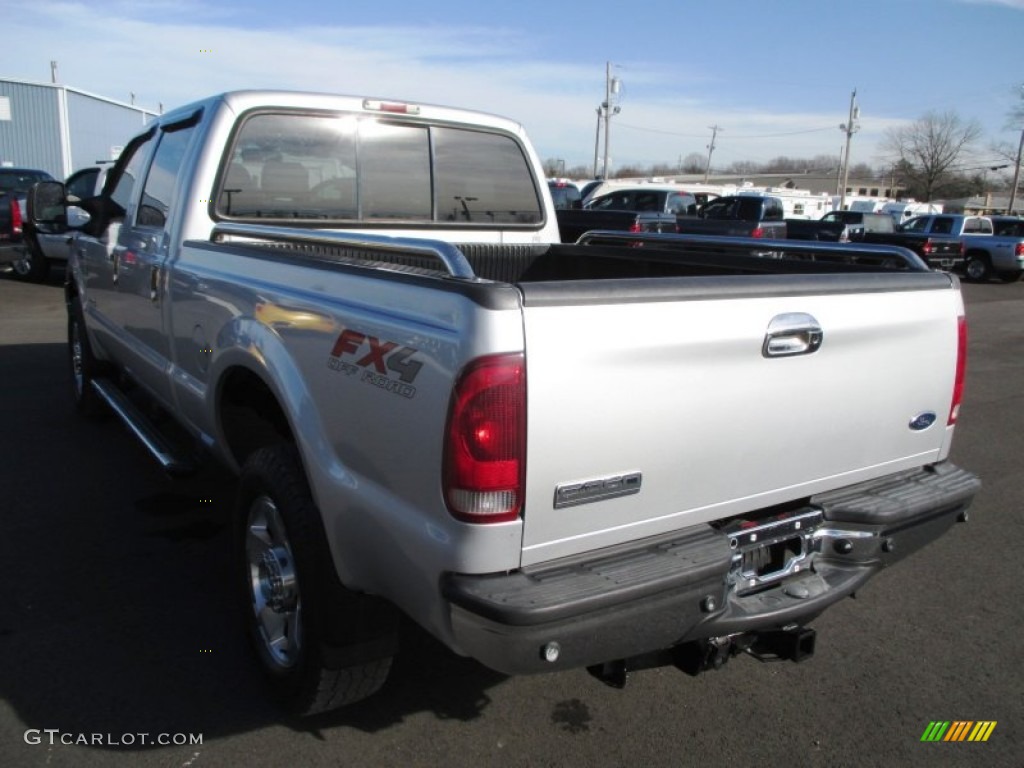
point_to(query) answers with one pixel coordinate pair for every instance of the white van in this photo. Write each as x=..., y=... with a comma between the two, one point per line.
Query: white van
x=867, y=205
x=901, y=212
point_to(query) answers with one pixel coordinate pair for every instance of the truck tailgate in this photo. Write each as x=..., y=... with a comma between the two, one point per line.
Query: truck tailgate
x=662, y=410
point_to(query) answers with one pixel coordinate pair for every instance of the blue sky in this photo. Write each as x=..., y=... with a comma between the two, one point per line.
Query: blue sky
x=776, y=75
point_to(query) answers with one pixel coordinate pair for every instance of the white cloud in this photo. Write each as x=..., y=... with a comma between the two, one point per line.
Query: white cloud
x=496, y=70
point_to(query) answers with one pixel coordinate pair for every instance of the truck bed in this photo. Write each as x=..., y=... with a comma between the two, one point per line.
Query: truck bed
x=674, y=362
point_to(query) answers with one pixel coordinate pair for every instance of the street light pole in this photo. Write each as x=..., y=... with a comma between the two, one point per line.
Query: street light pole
x=850, y=127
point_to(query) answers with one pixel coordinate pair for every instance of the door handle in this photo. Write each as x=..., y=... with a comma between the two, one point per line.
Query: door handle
x=154, y=283
x=793, y=333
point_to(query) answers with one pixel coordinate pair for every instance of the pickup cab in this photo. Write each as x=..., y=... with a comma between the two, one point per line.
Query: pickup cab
x=547, y=455
x=986, y=252
x=647, y=208
x=756, y=216
x=840, y=226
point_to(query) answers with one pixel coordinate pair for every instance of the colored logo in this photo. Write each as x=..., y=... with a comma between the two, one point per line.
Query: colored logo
x=958, y=730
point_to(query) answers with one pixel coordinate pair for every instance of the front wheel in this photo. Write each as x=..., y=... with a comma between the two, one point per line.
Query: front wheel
x=308, y=631
x=33, y=266
x=84, y=367
x=977, y=269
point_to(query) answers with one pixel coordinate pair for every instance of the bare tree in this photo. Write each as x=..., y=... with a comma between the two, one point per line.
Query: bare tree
x=693, y=163
x=929, y=148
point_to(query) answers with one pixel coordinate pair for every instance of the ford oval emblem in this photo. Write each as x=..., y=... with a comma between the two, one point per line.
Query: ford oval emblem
x=922, y=421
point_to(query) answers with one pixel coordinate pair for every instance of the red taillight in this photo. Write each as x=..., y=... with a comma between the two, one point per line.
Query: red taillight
x=961, y=369
x=16, y=222
x=1019, y=249
x=485, y=441
x=927, y=248
x=758, y=232
x=635, y=226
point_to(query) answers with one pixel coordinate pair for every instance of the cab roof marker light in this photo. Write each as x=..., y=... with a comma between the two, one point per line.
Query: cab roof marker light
x=390, y=106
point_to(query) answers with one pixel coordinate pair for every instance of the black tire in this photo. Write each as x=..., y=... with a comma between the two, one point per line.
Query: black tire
x=33, y=266
x=320, y=645
x=83, y=366
x=977, y=269
x=1011, y=276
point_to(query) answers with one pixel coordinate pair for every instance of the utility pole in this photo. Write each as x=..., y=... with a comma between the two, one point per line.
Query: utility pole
x=1016, y=175
x=1019, y=113
x=711, y=148
x=849, y=127
x=53, y=70
x=839, y=172
x=597, y=140
x=611, y=88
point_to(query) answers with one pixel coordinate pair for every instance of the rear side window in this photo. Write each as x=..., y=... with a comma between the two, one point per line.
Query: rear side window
x=124, y=184
x=1009, y=227
x=82, y=184
x=161, y=179
x=350, y=168
x=483, y=178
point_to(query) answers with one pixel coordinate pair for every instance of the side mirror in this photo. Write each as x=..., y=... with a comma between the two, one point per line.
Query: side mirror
x=46, y=207
x=77, y=217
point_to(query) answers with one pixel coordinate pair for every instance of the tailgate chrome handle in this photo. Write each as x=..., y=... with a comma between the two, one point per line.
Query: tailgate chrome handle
x=793, y=333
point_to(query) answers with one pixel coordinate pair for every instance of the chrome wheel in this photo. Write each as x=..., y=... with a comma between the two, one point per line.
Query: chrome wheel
x=273, y=583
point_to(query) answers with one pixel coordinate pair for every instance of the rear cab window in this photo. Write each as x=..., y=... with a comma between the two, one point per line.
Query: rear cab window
x=346, y=169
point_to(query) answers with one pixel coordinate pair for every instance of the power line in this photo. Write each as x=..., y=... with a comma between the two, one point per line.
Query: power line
x=731, y=136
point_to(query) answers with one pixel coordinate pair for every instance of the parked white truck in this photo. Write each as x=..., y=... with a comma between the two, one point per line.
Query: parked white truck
x=547, y=455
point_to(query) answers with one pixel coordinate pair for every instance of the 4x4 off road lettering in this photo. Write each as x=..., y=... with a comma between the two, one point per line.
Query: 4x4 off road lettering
x=377, y=358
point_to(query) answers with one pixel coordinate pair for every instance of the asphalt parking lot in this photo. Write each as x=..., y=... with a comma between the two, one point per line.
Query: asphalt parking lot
x=116, y=620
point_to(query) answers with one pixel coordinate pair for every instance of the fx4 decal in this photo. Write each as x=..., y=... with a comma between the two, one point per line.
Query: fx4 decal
x=384, y=364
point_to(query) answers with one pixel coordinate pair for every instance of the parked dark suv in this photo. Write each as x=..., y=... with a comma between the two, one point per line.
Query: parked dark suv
x=14, y=186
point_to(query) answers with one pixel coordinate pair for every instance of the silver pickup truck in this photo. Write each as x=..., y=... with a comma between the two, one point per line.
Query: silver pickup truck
x=548, y=455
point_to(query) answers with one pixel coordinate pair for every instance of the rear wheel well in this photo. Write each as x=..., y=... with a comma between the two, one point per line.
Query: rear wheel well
x=251, y=416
